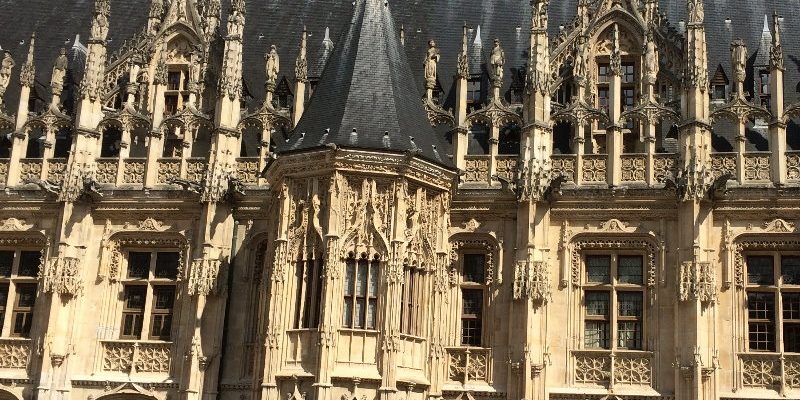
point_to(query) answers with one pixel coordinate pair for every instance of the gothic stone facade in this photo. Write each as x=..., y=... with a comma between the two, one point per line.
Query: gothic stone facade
x=583, y=236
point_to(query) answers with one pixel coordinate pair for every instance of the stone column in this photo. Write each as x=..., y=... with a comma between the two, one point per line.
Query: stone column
x=777, y=127
x=19, y=137
x=300, y=80
x=155, y=145
x=614, y=142
x=461, y=136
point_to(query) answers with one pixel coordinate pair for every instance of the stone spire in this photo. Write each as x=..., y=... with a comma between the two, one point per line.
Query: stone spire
x=325, y=51
x=776, y=51
x=476, y=54
x=300, y=78
x=92, y=84
x=28, y=72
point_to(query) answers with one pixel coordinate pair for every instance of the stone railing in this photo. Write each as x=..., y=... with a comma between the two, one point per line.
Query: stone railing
x=3, y=171
x=168, y=168
x=565, y=165
x=15, y=353
x=793, y=165
x=770, y=371
x=477, y=169
x=469, y=364
x=665, y=166
x=30, y=169
x=507, y=167
x=106, y=171
x=136, y=357
x=594, y=168
x=606, y=368
x=756, y=167
x=248, y=170
x=56, y=170
x=723, y=163
x=133, y=170
x=634, y=168
x=196, y=169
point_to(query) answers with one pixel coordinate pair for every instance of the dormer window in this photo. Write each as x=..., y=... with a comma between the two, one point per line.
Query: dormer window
x=177, y=93
x=719, y=92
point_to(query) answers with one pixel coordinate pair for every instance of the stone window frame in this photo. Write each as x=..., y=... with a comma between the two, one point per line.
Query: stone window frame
x=18, y=242
x=612, y=367
x=777, y=371
x=151, y=284
x=487, y=245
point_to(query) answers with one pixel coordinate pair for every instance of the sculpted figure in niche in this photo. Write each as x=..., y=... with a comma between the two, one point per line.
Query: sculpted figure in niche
x=5, y=73
x=431, y=64
x=579, y=65
x=100, y=27
x=651, y=60
x=273, y=65
x=739, y=60
x=498, y=60
x=59, y=72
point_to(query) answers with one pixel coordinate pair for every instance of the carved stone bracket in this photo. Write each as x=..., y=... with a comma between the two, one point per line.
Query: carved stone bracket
x=204, y=277
x=532, y=281
x=697, y=282
x=62, y=276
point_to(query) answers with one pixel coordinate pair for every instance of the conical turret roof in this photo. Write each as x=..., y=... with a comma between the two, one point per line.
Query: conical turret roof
x=367, y=97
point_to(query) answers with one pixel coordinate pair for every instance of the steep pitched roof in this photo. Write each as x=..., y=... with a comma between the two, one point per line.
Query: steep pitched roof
x=366, y=98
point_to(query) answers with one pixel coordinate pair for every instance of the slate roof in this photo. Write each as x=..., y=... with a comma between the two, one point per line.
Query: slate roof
x=366, y=98
x=281, y=22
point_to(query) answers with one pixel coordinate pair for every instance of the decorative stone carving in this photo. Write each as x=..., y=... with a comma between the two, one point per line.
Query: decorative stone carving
x=650, y=60
x=776, y=50
x=463, y=57
x=615, y=225
x=592, y=368
x=760, y=371
x=431, y=63
x=532, y=281
x=14, y=353
x=469, y=365
x=204, y=277
x=112, y=250
x=59, y=72
x=62, y=276
x=301, y=63
x=739, y=60
x=756, y=244
x=131, y=357
x=6, y=66
x=498, y=62
x=13, y=224
x=697, y=282
x=272, y=67
x=633, y=369
x=484, y=245
x=779, y=226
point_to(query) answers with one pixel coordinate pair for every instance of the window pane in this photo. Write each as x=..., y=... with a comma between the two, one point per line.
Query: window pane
x=596, y=335
x=349, y=278
x=761, y=312
x=374, y=271
x=630, y=335
x=29, y=263
x=372, y=313
x=471, y=332
x=630, y=304
x=762, y=336
x=790, y=270
x=759, y=270
x=472, y=302
x=167, y=265
x=474, y=267
x=347, y=320
x=361, y=284
x=360, y=313
x=630, y=269
x=597, y=303
x=598, y=269
x=164, y=298
x=138, y=265
x=6, y=261
x=22, y=323
x=791, y=337
x=135, y=297
x=761, y=306
x=791, y=306
x=161, y=326
x=26, y=295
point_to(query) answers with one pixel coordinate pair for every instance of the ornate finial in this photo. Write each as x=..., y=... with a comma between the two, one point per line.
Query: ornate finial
x=539, y=14
x=301, y=64
x=431, y=63
x=237, y=6
x=59, y=72
x=497, y=61
x=463, y=57
x=776, y=51
x=28, y=73
x=272, y=67
x=6, y=66
x=695, y=11
x=99, y=32
x=160, y=76
x=616, y=55
x=650, y=59
x=739, y=61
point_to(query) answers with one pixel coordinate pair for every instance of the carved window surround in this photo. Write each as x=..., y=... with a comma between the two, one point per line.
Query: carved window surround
x=492, y=249
x=614, y=242
x=112, y=254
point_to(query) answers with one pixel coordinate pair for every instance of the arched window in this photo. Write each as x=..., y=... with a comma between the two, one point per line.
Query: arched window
x=361, y=283
x=63, y=143
x=251, y=142
x=149, y=293
x=308, y=297
x=5, y=145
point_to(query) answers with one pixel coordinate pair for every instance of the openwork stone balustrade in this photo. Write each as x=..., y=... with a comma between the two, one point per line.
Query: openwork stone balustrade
x=613, y=368
x=770, y=371
x=15, y=353
x=469, y=364
x=136, y=357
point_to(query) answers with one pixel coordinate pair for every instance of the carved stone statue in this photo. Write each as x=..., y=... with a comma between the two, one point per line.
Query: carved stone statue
x=143, y=80
x=696, y=12
x=100, y=27
x=650, y=60
x=431, y=64
x=5, y=73
x=539, y=14
x=579, y=65
x=497, y=61
x=156, y=8
x=59, y=72
x=739, y=60
x=273, y=66
x=235, y=24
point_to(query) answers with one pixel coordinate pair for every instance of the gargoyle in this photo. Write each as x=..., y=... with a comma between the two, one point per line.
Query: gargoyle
x=48, y=186
x=187, y=185
x=720, y=186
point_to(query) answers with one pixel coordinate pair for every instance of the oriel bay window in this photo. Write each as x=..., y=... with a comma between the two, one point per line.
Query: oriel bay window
x=18, y=289
x=773, y=302
x=361, y=283
x=613, y=296
x=148, y=296
x=473, y=292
